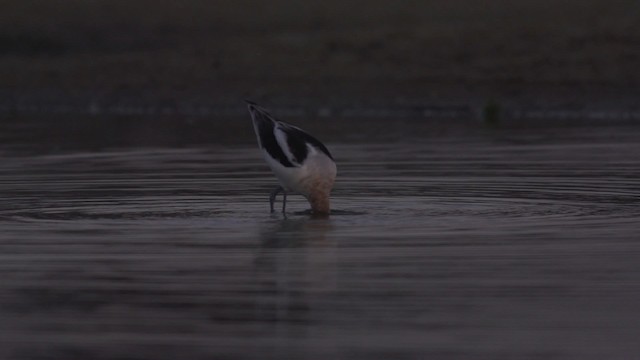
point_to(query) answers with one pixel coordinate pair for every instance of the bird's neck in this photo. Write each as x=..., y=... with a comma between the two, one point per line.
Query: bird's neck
x=320, y=203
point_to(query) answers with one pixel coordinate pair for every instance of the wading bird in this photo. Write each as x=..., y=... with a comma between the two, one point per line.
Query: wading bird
x=302, y=164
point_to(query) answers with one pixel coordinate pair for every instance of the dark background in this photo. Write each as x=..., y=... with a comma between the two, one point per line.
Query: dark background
x=567, y=53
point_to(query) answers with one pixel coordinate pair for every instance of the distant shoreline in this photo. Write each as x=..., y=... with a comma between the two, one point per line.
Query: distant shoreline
x=575, y=58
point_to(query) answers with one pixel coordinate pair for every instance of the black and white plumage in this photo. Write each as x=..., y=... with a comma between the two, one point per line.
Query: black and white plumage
x=301, y=162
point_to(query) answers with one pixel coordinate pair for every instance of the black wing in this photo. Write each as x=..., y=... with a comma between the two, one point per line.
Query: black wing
x=298, y=140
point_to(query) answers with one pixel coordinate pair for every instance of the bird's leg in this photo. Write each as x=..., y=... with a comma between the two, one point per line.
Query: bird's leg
x=284, y=200
x=272, y=196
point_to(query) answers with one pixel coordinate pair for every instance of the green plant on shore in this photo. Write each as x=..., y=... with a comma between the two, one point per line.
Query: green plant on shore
x=491, y=113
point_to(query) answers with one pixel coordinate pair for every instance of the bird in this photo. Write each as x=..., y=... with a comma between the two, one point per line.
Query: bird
x=301, y=163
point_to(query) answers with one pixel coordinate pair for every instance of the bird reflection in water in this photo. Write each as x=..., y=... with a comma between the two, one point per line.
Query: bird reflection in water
x=295, y=267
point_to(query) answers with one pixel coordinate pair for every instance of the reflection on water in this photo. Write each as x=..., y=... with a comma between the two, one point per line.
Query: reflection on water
x=499, y=245
x=295, y=265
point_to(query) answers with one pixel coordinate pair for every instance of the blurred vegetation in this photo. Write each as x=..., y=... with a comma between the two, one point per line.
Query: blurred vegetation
x=491, y=113
x=230, y=46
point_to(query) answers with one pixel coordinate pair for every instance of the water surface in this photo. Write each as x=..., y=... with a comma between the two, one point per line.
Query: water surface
x=497, y=245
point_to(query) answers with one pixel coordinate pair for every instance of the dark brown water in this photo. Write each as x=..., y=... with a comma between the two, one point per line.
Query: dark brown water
x=497, y=245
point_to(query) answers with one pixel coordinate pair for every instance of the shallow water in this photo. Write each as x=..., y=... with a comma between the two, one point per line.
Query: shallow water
x=497, y=245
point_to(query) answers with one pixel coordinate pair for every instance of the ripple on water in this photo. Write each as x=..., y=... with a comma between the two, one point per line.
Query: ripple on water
x=540, y=183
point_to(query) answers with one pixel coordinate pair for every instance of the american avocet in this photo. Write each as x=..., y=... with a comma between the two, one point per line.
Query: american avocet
x=301, y=163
